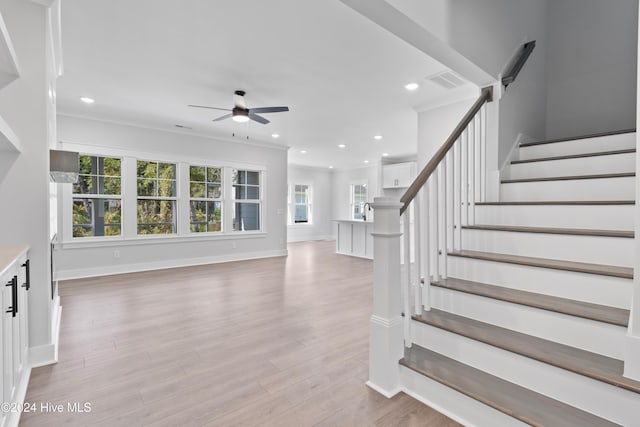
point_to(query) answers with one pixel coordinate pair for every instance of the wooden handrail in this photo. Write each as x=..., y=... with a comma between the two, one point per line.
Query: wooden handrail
x=485, y=96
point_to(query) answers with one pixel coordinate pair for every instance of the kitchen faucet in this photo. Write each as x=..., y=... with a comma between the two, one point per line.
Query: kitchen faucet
x=365, y=207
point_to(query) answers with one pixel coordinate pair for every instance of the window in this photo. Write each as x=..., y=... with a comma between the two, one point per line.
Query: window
x=156, y=197
x=300, y=204
x=358, y=199
x=246, y=192
x=97, y=203
x=205, y=208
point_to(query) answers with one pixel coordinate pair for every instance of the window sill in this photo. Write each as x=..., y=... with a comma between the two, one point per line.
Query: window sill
x=154, y=240
x=300, y=225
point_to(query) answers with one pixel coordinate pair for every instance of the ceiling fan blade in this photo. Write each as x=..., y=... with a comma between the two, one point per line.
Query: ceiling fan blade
x=226, y=116
x=210, y=108
x=258, y=118
x=268, y=109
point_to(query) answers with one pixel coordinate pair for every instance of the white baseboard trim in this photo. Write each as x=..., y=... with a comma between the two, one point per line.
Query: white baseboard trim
x=291, y=239
x=632, y=358
x=83, y=273
x=21, y=393
x=47, y=354
x=353, y=255
x=42, y=355
x=514, y=154
x=386, y=393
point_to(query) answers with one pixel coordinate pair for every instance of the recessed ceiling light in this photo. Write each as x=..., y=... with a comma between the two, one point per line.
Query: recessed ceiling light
x=341, y=145
x=385, y=154
x=366, y=161
x=377, y=137
x=330, y=167
x=411, y=86
x=87, y=100
x=303, y=151
x=275, y=135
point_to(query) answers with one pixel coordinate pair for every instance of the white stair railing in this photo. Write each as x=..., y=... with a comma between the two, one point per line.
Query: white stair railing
x=435, y=207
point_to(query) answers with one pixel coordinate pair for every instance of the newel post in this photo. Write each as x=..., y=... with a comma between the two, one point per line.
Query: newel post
x=386, y=340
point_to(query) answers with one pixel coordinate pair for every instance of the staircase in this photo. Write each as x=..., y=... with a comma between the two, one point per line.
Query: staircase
x=526, y=313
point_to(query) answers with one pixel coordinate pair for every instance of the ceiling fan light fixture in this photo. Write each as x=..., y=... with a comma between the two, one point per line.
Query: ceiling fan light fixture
x=240, y=115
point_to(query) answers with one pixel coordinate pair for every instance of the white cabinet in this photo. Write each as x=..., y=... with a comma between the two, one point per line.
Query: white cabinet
x=398, y=175
x=14, y=332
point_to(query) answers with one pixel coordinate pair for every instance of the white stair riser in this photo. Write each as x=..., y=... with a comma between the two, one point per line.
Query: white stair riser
x=617, y=163
x=466, y=410
x=579, y=146
x=579, y=189
x=592, y=249
x=597, y=217
x=604, y=400
x=594, y=288
x=590, y=335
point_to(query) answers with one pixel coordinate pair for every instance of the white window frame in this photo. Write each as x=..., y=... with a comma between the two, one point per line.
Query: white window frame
x=96, y=196
x=352, y=203
x=129, y=198
x=174, y=199
x=259, y=201
x=208, y=199
x=291, y=205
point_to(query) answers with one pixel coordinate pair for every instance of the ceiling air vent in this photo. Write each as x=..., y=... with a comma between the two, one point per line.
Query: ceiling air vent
x=447, y=80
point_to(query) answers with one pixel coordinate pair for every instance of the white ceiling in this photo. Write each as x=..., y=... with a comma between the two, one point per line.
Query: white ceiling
x=341, y=75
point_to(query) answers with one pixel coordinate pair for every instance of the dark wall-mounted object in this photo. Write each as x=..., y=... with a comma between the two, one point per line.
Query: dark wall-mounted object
x=64, y=166
x=518, y=62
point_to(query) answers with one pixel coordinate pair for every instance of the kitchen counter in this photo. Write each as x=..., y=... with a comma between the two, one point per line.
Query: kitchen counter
x=8, y=254
x=354, y=238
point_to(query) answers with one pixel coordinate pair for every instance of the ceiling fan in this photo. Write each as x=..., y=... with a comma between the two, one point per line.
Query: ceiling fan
x=240, y=113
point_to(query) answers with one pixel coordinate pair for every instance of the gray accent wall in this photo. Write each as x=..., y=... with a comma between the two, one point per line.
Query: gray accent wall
x=591, y=66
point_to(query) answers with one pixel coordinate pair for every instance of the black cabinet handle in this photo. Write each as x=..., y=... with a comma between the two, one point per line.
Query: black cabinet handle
x=13, y=309
x=27, y=284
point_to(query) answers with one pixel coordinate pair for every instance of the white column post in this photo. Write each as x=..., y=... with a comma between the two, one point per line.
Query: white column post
x=632, y=355
x=386, y=333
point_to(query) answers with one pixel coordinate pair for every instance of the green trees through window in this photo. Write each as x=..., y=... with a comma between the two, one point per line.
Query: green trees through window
x=97, y=205
x=205, y=206
x=163, y=198
x=156, y=184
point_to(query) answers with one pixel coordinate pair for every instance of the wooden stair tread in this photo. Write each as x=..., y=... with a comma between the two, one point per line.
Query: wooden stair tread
x=580, y=267
x=600, y=313
x=575, y=138
x=523, y=404
x=575, y=156
x=596, y=366
x=549, y=230
x=560, y=203
x=570, y=178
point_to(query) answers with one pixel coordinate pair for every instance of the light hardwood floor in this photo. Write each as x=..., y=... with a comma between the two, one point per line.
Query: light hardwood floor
x=271, y=342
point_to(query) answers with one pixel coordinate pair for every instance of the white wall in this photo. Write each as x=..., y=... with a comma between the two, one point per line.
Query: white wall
x=79, y=259
x=435, y=126
x=489, y=32
x=320, y=181
x=24, y=190
x=591, y=66
x=486, y=33
x=342, y=180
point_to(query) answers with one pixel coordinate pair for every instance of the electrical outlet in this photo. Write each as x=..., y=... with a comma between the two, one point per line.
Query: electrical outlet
x=281, y=241
x=116, y=254
x=234, y=245
x=280, y=212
